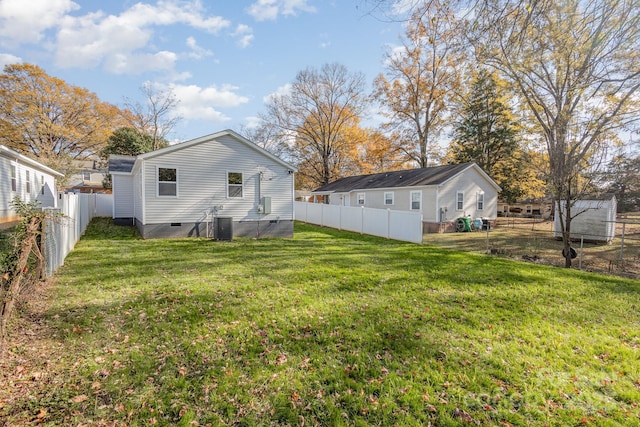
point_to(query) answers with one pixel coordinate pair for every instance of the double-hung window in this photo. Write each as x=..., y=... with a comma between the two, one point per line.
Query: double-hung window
x=361, y=199
x=459, y=200
x=480, y=202
x=416, y=200
x=167, y=182
x=235, y=185
x=42, y=184
x=14, y=179
x=388, y=198
x=27, y=181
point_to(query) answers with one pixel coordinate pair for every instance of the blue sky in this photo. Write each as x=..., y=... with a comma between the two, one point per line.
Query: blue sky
x=221, y=58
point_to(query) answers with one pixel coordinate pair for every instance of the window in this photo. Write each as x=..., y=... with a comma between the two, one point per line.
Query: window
x=86, y=176
x=14, y=179
x=529, y=209
x=416, y=200
x=459, y=200
x=360, y=199
x=167, y=182
x=234, y=184
x=480, y=201
x=27, y=181
x=388, y=198
x=42, y=184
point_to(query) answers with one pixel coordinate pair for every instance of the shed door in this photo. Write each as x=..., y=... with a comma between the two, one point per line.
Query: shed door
x=345, y=200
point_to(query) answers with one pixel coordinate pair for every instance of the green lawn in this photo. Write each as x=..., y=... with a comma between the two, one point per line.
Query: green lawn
x=331, y=328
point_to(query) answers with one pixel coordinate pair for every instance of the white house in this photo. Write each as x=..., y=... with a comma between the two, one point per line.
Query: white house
x=220, y=185
x=593, y=219
x=87, y=176
x=441, y=193
x=23, y=177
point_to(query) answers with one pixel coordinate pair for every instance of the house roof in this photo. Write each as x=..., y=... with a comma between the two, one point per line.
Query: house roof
x=9, y=153
x=124, y=164
x=121, y=164
x=436, y=175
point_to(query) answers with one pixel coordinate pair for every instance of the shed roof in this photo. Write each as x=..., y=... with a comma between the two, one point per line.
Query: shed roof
x=435, y=175
x=121, y=164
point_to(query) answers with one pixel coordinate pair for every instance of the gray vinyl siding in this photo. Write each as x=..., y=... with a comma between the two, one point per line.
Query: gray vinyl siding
x=201, y=184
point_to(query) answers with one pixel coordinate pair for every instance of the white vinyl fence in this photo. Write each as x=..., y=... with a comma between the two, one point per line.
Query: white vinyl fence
x=66, y=224
x=392, y=224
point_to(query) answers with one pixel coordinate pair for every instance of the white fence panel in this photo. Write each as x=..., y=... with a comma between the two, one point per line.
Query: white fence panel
x=376, y=222
x=67, y=223
x=398, y=225
x=405, y=226
x=351, y=218
x=104, y=205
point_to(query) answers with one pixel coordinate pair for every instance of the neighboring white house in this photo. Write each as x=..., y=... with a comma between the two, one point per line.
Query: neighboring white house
x=441, y=193
x=593, y=219
x=87, y=177
x=220, y=185
x=26, y=178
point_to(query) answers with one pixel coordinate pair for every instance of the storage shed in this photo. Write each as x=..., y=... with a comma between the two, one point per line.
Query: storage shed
x=593, y=219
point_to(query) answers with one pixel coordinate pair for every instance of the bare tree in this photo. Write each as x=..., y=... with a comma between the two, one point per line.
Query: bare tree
x=576, y=67
x=313, y=118
x=419, y=78
x=154, y=117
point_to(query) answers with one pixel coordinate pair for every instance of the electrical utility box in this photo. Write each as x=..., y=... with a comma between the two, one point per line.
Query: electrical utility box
x=223, y=228
x=265, y=207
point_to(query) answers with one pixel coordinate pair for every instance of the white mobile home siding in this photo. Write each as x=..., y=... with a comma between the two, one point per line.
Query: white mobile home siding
x=42, y=185
x=471, y=183
x=201, y=184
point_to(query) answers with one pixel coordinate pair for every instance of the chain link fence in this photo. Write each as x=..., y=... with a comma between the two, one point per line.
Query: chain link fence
x=533, y=240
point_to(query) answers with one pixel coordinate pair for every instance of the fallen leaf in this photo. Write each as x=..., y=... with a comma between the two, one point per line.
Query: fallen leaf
x=79, y=398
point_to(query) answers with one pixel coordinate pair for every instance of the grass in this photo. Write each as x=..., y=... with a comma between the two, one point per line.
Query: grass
x=329, y=328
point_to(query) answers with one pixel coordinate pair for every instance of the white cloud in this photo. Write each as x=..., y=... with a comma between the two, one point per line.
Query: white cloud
x=7, y=59
x=197, y=52
x=122, y=42
x=282, y=90
x=198, y=103
x=269, y=10
x=244, y=33
x=25, y=21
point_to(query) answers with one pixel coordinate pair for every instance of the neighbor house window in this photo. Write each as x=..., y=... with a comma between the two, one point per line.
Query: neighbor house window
x=14, y=179
x=480, y=201
x=27, y=180
x=42, y=184
x=459, y=200
x=234, y=184
x=416, y=200
x=360, y=199
x=528, y=209
x=86, y=176
x=167, y=182
x=388, y=198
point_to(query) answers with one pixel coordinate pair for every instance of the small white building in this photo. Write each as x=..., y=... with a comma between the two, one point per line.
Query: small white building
x=220, y=185
x=23, y=177
x=441, y=193
x=593, y=219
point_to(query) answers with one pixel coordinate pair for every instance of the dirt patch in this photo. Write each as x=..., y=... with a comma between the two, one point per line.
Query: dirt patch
x=532, y=240
x=29, y=359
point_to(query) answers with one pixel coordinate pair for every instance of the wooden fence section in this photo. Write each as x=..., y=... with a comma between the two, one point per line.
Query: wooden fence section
x=66, y=224
x=391, y=224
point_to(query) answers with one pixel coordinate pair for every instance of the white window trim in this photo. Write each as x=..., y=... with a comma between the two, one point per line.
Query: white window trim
x=393, y=198
x=42, y=184
x=480, y=201
x=158, y=182
x=458, y=193
x=411, y=200
x=364, y=199
x=27, y=182
x=227, y=184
